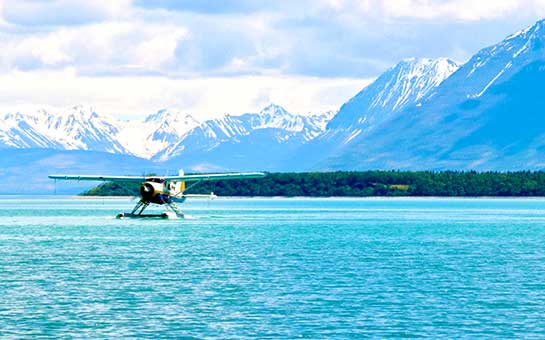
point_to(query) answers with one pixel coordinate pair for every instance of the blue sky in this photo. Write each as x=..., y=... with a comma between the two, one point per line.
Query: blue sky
x=209, y=57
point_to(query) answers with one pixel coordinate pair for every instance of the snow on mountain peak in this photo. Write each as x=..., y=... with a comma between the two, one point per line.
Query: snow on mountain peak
x=274, y=110
x=275, y=116
x=528, y=32
x=170, y=115
x=410, y=81
x=82, y=128
x=272, y=124
x=78, y=127
x=406, y=83
x=156, y=132
x=494, y=64
x=174, y=122
x=527, y=42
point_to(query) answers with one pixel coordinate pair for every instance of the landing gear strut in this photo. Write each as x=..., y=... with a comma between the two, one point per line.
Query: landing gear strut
x=139, y=208
x=175, y=209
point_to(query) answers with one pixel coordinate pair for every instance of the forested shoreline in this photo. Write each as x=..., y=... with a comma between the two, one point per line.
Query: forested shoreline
x=363, y=184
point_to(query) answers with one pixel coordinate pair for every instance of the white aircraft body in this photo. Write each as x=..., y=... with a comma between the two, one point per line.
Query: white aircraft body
x=161, y=190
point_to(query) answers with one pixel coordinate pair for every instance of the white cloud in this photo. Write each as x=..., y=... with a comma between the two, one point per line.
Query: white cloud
x=205, y=97
x=96, y=48
x=127, y=58
x=63, y=12
x=469, y=10
x=462, y=10
x=3, y=22
x=345, y=38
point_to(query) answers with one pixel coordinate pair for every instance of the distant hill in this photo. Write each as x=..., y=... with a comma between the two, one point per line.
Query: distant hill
x=25, y=171
x=363, y=184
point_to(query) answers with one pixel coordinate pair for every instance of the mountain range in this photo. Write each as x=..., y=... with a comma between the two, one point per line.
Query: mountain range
x=434, y=114
x=162, y=136
x=488, y=115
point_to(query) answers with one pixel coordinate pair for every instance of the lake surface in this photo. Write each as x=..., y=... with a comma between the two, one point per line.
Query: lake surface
x=286, y=268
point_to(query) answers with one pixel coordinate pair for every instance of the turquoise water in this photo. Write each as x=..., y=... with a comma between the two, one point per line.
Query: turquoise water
x=286, y=268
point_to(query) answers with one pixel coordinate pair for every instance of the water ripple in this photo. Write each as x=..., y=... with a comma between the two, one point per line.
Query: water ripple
x=281, y=268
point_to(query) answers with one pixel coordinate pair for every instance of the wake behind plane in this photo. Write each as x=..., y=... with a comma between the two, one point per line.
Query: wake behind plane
x=166, y=191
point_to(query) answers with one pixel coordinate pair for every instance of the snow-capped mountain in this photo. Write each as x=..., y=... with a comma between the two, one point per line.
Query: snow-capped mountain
x=156, y=132
x=161, y=136
x=408, y=83
x=16, y=132
x=497, y=63
x=487, y=115
x=253, y=138
x=276, y=117
x=76, y=128
x=82, y=128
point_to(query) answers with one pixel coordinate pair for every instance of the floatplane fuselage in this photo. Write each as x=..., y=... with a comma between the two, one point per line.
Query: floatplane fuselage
x=166, y=191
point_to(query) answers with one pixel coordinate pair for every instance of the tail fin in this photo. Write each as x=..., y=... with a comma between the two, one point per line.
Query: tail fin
x=180, y=185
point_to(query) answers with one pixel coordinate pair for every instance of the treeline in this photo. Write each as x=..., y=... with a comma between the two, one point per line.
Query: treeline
x=364, y=183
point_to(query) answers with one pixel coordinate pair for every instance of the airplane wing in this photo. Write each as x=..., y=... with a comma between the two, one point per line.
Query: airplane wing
x=100, y=178
x=187, y=178
x=215, y=177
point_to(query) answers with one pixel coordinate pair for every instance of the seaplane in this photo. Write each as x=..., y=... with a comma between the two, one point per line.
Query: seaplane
x=167, y=191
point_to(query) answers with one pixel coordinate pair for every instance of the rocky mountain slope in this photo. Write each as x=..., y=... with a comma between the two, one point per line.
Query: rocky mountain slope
x=76, y=128
x=488, y=115
x=251, y=141
x=408, y=83
x=161, y=136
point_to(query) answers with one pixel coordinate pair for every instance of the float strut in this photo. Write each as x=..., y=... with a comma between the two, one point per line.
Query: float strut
x=175, y=209
x=139, y=208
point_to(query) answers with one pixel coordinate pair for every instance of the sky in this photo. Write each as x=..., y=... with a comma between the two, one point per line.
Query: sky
x=130, y=58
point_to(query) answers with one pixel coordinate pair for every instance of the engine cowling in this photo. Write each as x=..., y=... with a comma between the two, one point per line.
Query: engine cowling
x=153, y=192
x=147, y=191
